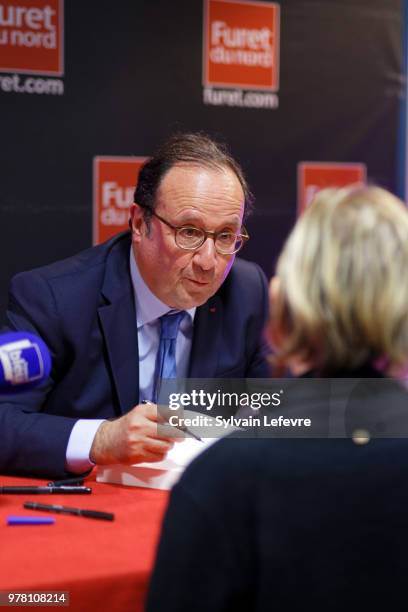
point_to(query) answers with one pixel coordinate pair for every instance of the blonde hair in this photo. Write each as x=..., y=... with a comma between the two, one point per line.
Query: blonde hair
x=343, y=281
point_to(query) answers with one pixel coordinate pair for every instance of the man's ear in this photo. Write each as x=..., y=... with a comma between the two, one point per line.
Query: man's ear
x=136, y=221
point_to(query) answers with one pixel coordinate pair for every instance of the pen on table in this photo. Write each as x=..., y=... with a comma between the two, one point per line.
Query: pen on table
x=78, y=480
x=30, y=520
x=96, y=514
x=46, y=490
x=182, y=428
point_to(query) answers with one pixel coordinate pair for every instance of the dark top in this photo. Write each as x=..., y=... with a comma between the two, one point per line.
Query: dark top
x=287, y=524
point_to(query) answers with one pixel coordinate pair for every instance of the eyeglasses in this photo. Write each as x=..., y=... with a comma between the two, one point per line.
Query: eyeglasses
x=192, y=238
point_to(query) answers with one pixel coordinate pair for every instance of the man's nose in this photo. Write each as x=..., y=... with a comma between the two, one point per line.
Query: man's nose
x=206, y=255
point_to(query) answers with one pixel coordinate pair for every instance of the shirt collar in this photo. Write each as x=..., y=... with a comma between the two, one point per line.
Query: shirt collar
x=148, y=307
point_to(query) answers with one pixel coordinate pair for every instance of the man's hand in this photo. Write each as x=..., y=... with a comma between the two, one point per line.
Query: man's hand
x=132, y=438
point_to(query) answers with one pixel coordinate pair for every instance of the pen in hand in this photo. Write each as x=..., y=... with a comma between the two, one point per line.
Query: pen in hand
x=188, y=431
x=182, y=428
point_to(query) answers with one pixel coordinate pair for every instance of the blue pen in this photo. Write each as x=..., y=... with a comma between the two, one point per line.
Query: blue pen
x=30, y=520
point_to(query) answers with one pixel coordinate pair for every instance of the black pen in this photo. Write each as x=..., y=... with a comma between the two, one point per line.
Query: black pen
x=185, y=429
x=67, y=481
x=46, y=489
x=96, y=514
x=182, y=428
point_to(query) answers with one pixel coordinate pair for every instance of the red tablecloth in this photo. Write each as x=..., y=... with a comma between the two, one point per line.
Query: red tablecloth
x=104, y=565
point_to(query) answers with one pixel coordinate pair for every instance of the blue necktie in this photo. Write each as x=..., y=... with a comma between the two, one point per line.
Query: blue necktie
x=166, y=357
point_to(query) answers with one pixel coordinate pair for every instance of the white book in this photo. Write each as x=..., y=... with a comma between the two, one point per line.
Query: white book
x=162, y=474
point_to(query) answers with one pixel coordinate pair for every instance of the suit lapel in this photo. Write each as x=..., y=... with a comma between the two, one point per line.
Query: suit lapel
x=118, y=321
x=206, y=339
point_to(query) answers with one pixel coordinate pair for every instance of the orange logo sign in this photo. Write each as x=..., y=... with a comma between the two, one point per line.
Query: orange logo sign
x=314, y=176
x=114, y=185
x=32, y=36
x=241, y=44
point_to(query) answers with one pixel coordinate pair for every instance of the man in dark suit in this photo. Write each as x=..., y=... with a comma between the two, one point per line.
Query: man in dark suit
x=101, y=312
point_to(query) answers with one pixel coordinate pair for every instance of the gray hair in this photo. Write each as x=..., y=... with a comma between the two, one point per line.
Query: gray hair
x=190, y=148
x=343, y=281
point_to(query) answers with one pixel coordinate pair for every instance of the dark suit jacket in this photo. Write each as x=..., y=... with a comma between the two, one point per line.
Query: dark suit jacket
x=293, y=524
x=83, y=308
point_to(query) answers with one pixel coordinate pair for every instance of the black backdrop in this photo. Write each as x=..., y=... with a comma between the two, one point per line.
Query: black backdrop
x=133, y=76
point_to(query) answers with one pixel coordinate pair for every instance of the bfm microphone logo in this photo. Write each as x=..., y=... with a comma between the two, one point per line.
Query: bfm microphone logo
x=314, y=176
x=114, y=181
x=241, y=45
x=32, y=36
x=25, y=361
